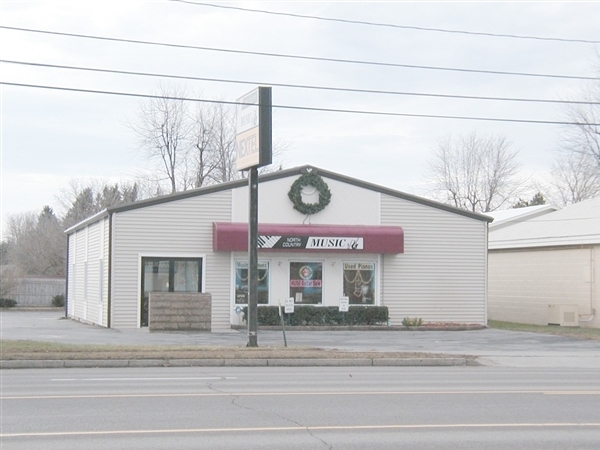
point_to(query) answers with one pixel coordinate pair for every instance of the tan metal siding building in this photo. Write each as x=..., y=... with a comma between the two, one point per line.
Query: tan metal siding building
x=441, y=276
x=417, y=257
x=544, y=264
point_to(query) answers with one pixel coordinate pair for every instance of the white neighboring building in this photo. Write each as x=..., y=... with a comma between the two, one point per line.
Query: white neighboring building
x=542, y=266
x=515, y=215
x=418, y=257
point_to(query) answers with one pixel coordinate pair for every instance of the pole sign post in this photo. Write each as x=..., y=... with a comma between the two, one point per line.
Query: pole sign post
x=253, y=150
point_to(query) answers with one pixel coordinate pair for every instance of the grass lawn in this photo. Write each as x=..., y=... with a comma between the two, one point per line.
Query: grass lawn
x=577, y=332
x=35, y=350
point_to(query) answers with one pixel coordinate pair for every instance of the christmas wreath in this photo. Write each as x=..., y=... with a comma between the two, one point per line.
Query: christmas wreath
x=309, y=179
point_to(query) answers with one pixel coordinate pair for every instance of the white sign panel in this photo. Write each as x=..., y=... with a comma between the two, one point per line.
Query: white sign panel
x=289, y=305
x=344, y=304
x=247, y=143
x=343, y=243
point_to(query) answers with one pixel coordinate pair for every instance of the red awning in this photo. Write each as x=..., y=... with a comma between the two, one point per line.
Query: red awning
x=233, y=237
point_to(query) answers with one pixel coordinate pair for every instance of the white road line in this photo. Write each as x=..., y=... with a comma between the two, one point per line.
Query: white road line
x=293, y=394
x=144, y=379
x=302, y=428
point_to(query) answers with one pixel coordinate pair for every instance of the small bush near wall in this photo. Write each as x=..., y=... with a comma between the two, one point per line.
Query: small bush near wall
x=7, y=303
x=58, y=300
x=326, y=315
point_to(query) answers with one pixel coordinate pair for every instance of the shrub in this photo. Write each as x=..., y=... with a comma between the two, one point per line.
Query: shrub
x=58, y=300
x=415, y=322
x=306, y=315
x=267, y=315
x=7, y=303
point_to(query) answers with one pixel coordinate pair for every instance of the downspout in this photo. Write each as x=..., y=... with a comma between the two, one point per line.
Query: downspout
x=109, y=268
x=592, y=289
x=67, y=280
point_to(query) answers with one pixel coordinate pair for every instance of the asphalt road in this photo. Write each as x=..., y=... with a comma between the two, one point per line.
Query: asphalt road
x=301, y=408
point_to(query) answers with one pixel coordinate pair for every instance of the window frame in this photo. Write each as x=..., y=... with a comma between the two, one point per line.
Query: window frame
x=235, y=280
x=306, y=261
x=171, y=259
x=374, y=281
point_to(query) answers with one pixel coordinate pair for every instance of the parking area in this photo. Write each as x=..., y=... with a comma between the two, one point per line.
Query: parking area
x=492, y=347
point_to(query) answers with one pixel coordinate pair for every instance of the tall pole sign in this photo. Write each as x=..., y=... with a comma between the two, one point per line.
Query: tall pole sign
x=254, y=129
x=253, y=150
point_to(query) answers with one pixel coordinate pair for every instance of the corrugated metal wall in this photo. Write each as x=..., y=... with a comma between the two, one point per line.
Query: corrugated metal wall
x=87, y=296
x=105, y=267
x=441, y=277
x=175, y=229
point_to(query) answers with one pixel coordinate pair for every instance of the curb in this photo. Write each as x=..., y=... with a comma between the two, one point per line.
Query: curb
x=245, y=362
x=426, y=327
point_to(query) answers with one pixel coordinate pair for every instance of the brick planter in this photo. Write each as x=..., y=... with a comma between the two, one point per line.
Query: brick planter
x=179, y=312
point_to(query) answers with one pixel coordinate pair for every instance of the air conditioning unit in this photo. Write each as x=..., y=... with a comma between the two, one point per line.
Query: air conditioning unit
x=563, y=315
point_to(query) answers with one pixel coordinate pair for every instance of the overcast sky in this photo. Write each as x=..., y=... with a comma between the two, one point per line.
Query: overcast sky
x=50, y=137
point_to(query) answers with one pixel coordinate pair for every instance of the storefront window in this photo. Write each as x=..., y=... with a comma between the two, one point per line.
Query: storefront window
x=306, y=278
x=241, y=282
x=168, y=275
x=359, y=283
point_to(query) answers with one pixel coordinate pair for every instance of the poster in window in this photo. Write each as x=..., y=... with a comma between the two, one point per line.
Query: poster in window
x=307, y=279
x=359, y=283
x=241, y=282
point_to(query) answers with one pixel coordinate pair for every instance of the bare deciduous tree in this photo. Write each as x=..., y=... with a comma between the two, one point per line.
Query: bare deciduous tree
x=584, y=138
x=163, y=131
x=37, y=244
x=575, y=174
x=10, y=279
x=192, y=145
x=213, y=154
x=574, y=177
x=479, y=174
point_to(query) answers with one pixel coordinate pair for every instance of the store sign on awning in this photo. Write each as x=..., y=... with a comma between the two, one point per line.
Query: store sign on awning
x=311, y=242
x=229, y=236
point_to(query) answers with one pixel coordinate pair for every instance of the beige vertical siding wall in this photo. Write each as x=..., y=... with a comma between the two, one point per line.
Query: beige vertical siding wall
x=105, y=270
x=87, y=288
x=174, y=229
x=441, y=277
x=523, y=283
x=70, y=297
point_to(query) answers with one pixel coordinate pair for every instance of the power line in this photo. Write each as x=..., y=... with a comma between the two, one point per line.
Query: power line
x=302, y=57
x=391, y=25
x=298, y=86
x=300, y=108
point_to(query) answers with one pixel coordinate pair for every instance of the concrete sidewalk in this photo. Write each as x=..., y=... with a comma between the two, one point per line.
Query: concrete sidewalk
x=487, y=346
